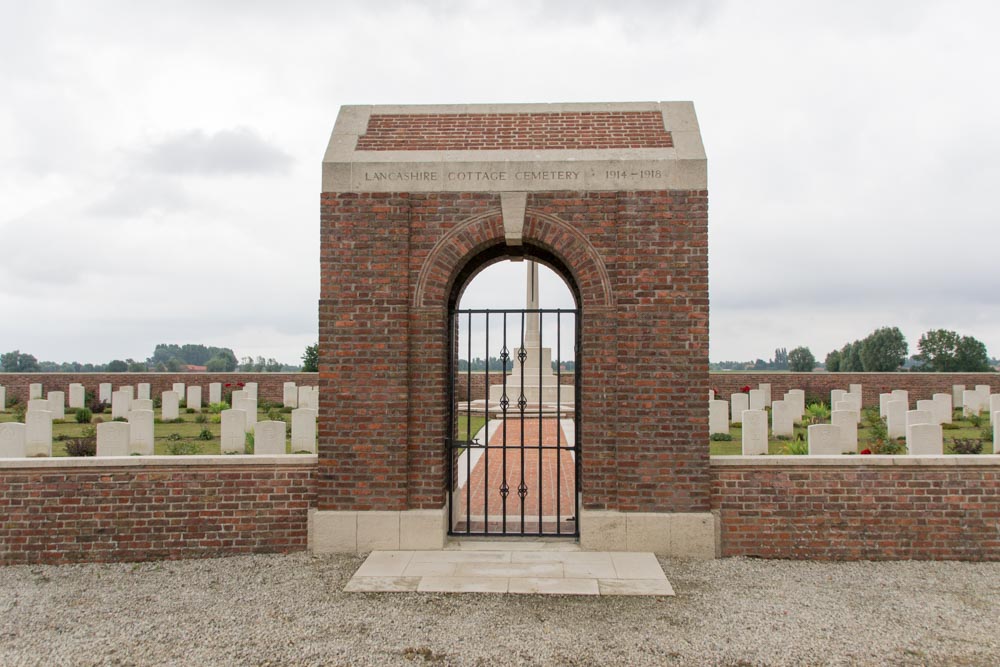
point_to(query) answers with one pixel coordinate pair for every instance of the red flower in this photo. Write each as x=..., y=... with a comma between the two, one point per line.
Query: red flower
x=229, y=384
x=866, y=451
x=745, y=389
x=240, y=384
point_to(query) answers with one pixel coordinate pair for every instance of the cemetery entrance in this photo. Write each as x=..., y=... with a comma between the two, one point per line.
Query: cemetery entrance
x=514, y=446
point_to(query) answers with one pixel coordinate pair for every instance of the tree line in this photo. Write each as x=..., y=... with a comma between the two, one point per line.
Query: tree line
x=166, y=358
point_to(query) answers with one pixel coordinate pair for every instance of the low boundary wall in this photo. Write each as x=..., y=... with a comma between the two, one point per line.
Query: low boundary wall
x=153, y=508
x=858, y=507
x=269, y=385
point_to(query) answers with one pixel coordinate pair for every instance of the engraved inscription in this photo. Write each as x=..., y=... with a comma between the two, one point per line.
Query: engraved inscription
x=634, y=173
x=376, y=176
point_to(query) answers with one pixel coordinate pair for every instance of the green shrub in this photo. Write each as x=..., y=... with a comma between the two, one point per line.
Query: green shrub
x=19, y=411
x=967, y=446
x=205, y=434
x=81, y=447
x=201, y=418
x=817, y=412
x=184, y=448
x=189, y=411
x=274, y=414
x=119, y=419
x=286, y=410
x=216, y=408
x=174, y=436
x=723, y=437
x=975, y=419
x=797, y=448
x=248, y=443
x=83, y=416
x=59, y=437
x=157, y=403
x=951, y=426
x=215, y=419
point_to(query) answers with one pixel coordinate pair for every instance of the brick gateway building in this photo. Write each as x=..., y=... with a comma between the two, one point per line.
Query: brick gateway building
x=415, y=200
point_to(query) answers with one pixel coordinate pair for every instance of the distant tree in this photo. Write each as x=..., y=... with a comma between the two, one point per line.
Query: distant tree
x=117, y=366
x=780, y=362
x=18, y=362
x=884, y=350
x=833, y=361
x=175, y=364
x=850, y=358
x=945, y=351
x=310, y=358
x=136, y=366
x=272, y=365
x=801, y=360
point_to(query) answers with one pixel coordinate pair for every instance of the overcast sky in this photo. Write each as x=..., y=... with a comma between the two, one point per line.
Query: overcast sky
x=160, y=162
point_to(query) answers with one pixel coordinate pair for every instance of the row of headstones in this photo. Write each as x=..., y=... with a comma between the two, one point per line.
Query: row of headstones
x=135, y=437
x=292, y=396
x=921, y=427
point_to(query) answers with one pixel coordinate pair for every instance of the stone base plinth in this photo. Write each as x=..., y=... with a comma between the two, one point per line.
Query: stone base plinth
x=679, y=535
x=332, y=531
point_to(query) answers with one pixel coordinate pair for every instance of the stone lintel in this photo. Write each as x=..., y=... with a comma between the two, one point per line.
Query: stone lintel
x=674, y=534
x=336, y=531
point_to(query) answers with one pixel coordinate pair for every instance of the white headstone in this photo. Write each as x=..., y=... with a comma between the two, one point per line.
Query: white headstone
x=12, y=440
x=169, y=406
x=996, y=432
x=113, y=438
x=77, y=396
x=3, y=398
x=994, y=407
x=956, y=395
x=234, y=431
x=269, y=437
x=758, y=399
x=120, y=404
x=718, y=417
x=844, y=419
x=836, y=396
x=178, y=387
x=895, y=417
x=306, y=398
x=215, y=392
x=738, y=404
x=972, y=402
x=919, y=417
x=140, y=433
x=924, y=440
x=38, y=433
x=711, y=394
x=57, y=404
x=38, y=404
x=104, y=392
x=34, y=390
x=855, y=401
x=754, y=432
x=766, y=388
x=237, y=395
x=901, y=395
x=782, y=418
x=304, y=429
x=797, y=398
x=883, y=401
x=931, y=407
x=249, y=406
x=856, y=389
x=251, y=389
x=943, y=407
x=825, y=440
x=142, y=390
x=129, y=391
x=984, y=391
x=194, y=398
x=141, y=404
x=289, y=395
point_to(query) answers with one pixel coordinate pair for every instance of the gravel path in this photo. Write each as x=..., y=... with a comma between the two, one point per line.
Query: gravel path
x=289, y=610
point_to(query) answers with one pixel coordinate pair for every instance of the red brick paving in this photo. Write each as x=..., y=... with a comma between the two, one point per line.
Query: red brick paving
x=485, y=480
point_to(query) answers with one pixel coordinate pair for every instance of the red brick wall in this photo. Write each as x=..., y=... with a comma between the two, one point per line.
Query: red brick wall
x=59, y=515
x=517, y=131
x=388, y=265
x=920, y=385
x=269, y=385
x=855, y=512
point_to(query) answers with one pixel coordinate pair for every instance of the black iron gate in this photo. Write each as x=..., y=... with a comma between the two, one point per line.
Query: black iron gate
x=514, y=442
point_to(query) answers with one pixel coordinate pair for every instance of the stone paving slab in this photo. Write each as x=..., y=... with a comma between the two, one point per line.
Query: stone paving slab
x=508, y=567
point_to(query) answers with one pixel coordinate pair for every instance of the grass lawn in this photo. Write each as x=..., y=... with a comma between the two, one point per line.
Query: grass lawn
x=468, y=427
x=964, y=429
x=188, y=430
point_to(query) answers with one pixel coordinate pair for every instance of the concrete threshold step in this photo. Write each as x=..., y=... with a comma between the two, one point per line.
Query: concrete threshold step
x=481, y=569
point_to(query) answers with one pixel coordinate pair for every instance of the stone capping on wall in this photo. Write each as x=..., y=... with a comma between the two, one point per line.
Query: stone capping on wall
x=855, y=461
x=230, y=460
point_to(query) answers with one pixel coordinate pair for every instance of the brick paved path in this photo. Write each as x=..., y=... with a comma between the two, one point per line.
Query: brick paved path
x=484, y=492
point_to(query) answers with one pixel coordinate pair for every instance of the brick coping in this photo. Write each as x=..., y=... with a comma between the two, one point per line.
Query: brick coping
x=231, y=460
x=858, y=461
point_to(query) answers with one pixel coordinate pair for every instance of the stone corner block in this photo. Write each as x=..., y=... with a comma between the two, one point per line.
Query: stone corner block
x=602, y=530
x=378, y=531
x=423, y=530
x=332, y=532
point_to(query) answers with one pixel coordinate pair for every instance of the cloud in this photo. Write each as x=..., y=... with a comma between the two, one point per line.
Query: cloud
x=238, y=151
